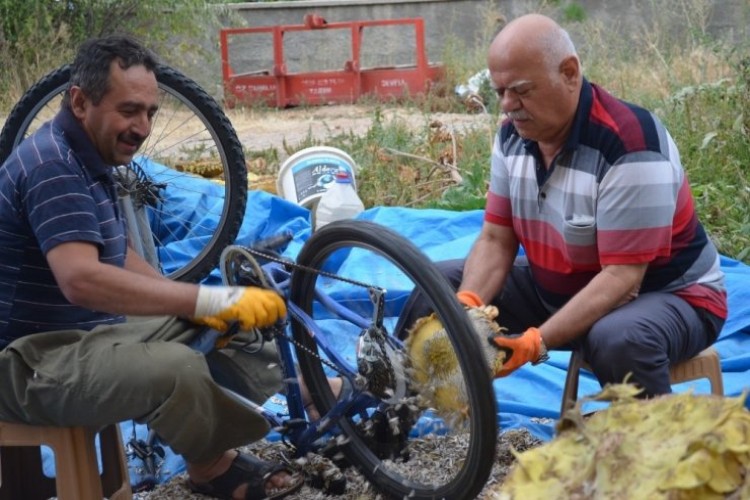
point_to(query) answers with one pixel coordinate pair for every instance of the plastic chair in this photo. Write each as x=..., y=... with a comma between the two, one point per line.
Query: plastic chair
x=704, y=365
x=76, y=467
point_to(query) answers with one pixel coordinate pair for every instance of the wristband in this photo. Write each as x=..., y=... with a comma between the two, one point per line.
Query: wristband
x=469, y=298
x=214, y=299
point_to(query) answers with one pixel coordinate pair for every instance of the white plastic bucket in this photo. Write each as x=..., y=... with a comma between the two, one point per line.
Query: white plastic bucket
x=307, y=174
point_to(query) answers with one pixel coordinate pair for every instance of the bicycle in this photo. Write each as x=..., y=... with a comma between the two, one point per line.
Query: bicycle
x=190, y=135
x=340, y=322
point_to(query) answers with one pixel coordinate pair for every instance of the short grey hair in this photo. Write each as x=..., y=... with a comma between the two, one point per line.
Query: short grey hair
x=556, y=45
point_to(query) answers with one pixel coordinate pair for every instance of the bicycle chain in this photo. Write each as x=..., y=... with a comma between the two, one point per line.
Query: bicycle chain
x=290, y=263
x=279, y=332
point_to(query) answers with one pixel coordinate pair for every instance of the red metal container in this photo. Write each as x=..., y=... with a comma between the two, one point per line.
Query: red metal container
x=278, y=87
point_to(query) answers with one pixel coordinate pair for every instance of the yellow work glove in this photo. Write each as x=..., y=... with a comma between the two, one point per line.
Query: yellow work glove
x=518, y=349
x=251, y=307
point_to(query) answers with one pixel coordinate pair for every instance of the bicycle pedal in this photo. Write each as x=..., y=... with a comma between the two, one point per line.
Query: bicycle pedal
x=290, y=424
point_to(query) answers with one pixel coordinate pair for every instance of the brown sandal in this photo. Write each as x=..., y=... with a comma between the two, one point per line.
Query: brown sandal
x=250, y=470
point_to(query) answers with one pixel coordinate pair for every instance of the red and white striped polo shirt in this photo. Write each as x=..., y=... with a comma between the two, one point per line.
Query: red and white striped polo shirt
x=615, y=194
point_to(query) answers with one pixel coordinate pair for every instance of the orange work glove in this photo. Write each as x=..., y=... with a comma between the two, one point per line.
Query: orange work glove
x=469, y=299
x=519, y=349
x=251, y=307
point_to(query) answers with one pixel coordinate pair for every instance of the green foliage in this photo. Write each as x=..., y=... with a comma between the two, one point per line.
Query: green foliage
x=25, y=26
x=473, y=163
x=711, y=125
x=574, y=12
x=489, y=97
x=36, y=36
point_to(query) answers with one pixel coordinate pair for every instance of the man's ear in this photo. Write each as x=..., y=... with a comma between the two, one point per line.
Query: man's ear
x=570, y=69
x=78, y=101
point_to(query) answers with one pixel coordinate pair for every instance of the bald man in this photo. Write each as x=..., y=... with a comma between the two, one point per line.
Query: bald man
x=590, y=238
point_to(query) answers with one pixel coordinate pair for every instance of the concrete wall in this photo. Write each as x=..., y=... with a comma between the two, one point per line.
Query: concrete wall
x=469, y=20
x=466, y=24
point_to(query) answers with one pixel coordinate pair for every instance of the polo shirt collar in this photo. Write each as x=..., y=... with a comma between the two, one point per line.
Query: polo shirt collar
x=583, y=112
x=81, y=143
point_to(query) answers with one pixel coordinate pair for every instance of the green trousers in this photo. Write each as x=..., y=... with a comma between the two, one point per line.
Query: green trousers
x=141, y=370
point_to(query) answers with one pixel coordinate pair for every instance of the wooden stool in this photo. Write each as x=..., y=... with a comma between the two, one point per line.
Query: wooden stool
x=704, y=365
x=76, y=466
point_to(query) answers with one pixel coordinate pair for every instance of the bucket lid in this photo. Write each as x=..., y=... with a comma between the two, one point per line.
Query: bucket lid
x=311, y=152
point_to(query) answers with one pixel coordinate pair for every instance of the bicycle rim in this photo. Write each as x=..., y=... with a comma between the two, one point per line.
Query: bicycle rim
x=416, y=452
x=194, y=217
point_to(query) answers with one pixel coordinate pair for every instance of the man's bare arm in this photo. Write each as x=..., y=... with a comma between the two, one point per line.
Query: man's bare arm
x=611, y=288
x=490, y=261
x=134, y=262
x=87, y=282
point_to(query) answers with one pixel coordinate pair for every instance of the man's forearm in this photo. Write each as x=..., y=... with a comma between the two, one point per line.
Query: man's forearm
x=134, y=262
x=611, y=288
x=121, y=291
x=489, y=262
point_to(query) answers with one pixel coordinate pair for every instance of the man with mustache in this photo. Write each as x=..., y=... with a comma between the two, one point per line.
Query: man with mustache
x=614, y=261
x=69, y=357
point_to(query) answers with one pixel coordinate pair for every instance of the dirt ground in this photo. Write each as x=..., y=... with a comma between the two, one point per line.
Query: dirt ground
x=263, y=129
x=258, y=130
x=270, y=128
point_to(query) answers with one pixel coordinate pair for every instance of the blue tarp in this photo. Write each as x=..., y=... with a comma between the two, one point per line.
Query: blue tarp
x=530, y=397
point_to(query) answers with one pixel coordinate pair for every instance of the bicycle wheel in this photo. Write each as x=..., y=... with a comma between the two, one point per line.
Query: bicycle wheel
x=395, y=441
x=191, y=217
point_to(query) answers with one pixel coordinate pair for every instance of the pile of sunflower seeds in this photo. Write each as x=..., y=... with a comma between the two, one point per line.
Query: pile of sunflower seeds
x=357, y=488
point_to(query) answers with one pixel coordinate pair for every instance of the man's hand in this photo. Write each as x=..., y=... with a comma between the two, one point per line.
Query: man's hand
x=519, y=349
x=251, y=307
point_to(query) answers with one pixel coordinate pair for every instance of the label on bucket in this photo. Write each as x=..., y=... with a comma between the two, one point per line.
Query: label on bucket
x=315, y=175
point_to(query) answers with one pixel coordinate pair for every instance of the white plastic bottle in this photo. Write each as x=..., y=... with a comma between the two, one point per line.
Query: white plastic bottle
x=340, y=201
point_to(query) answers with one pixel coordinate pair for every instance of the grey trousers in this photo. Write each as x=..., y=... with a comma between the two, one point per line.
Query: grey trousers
x=643, y=337
x=140, y=370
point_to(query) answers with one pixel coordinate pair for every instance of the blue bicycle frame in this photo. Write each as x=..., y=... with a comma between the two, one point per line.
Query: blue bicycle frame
x=295, y=427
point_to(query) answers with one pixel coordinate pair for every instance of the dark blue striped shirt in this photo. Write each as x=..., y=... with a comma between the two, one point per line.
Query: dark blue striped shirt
x=54, y=188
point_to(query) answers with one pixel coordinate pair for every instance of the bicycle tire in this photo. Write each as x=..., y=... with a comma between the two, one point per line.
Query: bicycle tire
x=364, y=236
x=182, y=103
